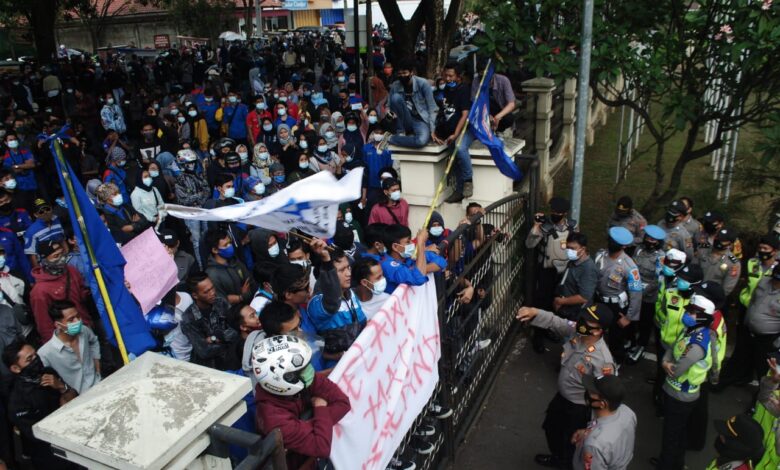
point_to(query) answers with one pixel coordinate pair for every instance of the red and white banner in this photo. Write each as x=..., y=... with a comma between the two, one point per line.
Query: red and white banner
x=389, y=375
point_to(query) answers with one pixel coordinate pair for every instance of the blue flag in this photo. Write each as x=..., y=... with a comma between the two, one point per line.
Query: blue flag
x=132, y=325
x=479, y=124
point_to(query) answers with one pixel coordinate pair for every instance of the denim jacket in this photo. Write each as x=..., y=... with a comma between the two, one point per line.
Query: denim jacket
x=422, y=97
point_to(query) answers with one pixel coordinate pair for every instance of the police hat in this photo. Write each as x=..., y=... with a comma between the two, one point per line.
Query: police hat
x=168, y=237
x=726, y=235
x=713, y=291
x=608, y=387
x=676, y=208
x=621, y=235
x=559, y=205
x=691, y=273
x=598, y=312
x=655, y=232
x=624, y=204
x=770, y=239
x=712, y=216
x=744, y=429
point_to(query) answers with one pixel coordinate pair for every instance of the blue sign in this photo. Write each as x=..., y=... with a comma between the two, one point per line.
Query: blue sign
x=295, y=4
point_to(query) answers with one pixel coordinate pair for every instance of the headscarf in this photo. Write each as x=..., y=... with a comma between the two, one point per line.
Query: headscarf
x=333, y=141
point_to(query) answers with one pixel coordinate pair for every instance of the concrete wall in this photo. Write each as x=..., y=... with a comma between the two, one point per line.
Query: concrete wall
x=139, y=32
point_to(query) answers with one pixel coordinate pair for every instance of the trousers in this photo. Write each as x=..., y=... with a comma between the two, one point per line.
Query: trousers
x=674, y=437
x=563, y=418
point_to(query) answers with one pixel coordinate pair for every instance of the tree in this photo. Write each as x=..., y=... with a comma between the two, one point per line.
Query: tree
x=439, y=30
x=204, y=18
x=95, y=15
x=661, y=58
x=41, y=16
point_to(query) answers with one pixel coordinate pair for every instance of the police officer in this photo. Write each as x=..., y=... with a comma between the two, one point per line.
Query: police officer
x=712, y=223
x=584, y=352
x=548, y=235
x=692, y=225
x=608, y=441
x=620, y=287
x=759, y=266
x=739, y=444
x=686, y=366
x=648, y=258
x=719, y=263
x=766, y=414
x=676, y=234
x=627, y=217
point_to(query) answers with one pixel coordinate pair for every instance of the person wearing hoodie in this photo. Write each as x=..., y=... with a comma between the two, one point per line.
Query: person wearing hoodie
x=115, y=171
x=55, y=280
x=354, y=135
x=437, y=233
x=229, y=275
x=278, y=178
x=265, y=247
x=146, y=199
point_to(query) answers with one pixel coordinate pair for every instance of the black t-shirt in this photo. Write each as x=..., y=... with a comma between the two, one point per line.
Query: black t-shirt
x=456, y=100
x=408, y=92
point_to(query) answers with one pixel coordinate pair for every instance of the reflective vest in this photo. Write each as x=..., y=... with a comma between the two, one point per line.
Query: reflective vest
x=718, y=345
x=770, y=460
x=755, y=273
x=692, y=378
x=672, y=308
x=714, y=465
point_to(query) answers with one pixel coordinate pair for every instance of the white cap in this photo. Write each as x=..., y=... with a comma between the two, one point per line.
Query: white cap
x=675, y=255
x=703, y=303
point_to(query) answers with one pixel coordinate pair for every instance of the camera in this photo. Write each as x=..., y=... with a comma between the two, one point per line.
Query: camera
x=540, y=218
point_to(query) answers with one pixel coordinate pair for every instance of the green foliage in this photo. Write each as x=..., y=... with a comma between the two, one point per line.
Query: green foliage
x=206, y=18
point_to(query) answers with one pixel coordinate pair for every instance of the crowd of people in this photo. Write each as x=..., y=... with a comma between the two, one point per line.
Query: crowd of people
x=209, y=128
x=669, y=285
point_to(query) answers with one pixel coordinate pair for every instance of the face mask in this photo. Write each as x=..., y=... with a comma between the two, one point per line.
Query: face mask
x=683, y=285
x=233, y=99
x=379, y=286
x=372, y=119
x=69, y=90
x=322, y=148
x=273, y=251
x=405, y=79
x=121, y=163
x=12, y=144
x=670, y=219
x=110, y=101
x=174, y=111
x=452, y=84
x=303, y=165
x=279, y=179
x=189, y=167
x=340, y=127
x=341, y=79
x=408, y=251
x=263, y=155
x=282, y=111
x=304, y=145
x=283, y=99
x=243, y=156
x=765, y=255
x=307, y=93
x=229, y=192
x=156, y=106
x=572, y=255
x=307, y=375
x=284, y=141
x=436, y=231
x=316, y=96
x=154, y=174
x=147, y=181
x=378, y=137
x=688, y=320
x=2, y=261
x=583, y=329
x=556, y=218
x=192, y=113
x=351, y=128
x=117, y=200
x=10, y=184
x=268, y=127
x=260, y=106
x=304, y=263
x=442, y=86
x=330, y=134
x=667, y=271
x=348, y=217
x=259, y=189
x=718, y=245
x=395, y=196
x=227, y=252
x=74, y=328
x=276, y=96
x=181, y=119
x=651, y=244
x=34, y=369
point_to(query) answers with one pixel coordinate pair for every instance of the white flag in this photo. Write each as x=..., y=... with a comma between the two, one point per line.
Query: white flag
x=309, y=205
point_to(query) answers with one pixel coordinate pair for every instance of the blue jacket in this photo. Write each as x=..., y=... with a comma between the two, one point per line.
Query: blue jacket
x=422, y=97
x=15, y=258
x=375, y=161
x=406, y=272
x=17, y=221
x=25, y=179
x=208, y=110
x=235, y=118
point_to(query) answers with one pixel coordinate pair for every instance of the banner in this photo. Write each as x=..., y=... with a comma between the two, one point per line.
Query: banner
x=150, y=270
x=310, y=205
x=389, y=374
x=295, y=4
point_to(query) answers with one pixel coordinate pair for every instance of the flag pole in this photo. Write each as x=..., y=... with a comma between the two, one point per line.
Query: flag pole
x=443, y=180
x=90, y=252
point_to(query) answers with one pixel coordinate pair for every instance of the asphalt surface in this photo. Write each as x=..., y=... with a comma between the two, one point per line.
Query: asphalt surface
x=508, y=432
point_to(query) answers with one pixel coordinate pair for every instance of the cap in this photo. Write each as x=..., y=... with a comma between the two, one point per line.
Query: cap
x=40, y=204
x=608, y=387
x=712, y=216
x=713, y=291
x=741, y=427
x=676, y=208
x=624, y=204
x=168, y=237
x=675, y=256
x=621, y=235
x=726, y=235
x=702, y=304
x=388, y=183
x=598, y=312
x=559, y=205
x=655, y=232
x=46, y=247
x=691, y=273
x=770, y=239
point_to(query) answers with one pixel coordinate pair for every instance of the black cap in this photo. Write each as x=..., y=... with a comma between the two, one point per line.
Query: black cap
x=168, y=237
x=559, y=205
x=608, y=387
x=676, y=208
x=712, y=216
x=624, y=204
x=691, y=273
x=744, y=429
x=46, y=247
x=712, y=291
x=598, y=312
x=40, y=204
x=388, y=183
x=726, y=235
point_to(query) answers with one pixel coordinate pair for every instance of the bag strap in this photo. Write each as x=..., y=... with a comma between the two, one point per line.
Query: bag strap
x=392, y=215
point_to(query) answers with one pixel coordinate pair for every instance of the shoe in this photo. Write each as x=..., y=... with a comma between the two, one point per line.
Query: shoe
x=468, y=189
x=421, y=446
x=424, y=430
x=385, y=141
x=635, y=354
x=753, y=383
x=398, y=464
x=547, y=460
x=483, y=343
x=439, y=412
x=454, y=198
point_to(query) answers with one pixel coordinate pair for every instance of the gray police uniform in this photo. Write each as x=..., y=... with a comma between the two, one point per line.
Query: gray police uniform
x=723, y=268
x=649, y=264
x=609, y=444
x=693, y=227
x=763, y=313
x=702, y=242
x=677, y=237
x=634, y=223
x=553, y=240
x=620, y=283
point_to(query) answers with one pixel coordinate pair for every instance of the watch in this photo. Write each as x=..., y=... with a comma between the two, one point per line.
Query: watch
x=67, y=388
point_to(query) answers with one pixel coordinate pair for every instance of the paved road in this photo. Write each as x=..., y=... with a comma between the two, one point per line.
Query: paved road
x=508, y=433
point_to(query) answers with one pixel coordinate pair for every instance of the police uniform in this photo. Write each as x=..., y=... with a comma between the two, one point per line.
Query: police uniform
x=763, y=322
x=648, y=262
x=678, y=237
x=723, y=268
x=756, y=270
x=567, y=411
x=634, y=222
x=609, y=443
x=693, y=226
x=766, y=414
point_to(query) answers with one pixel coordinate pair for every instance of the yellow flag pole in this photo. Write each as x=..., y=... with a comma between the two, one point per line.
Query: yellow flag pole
x=90, y=252
x=451, y=160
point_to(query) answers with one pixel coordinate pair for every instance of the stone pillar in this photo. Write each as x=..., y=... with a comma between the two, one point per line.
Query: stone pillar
x=569, y=117
x=542, y=89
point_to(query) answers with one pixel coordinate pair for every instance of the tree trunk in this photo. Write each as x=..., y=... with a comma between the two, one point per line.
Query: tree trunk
x=43, y=16
x=404, y=32
x=248, y=23
x=440, y=30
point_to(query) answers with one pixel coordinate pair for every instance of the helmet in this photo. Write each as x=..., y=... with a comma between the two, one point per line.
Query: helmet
x=187, y=156
x=675, y=258
x=232, y=157
x=161, y=318
x=225, y=142
x=277, y=363
x=702, y=304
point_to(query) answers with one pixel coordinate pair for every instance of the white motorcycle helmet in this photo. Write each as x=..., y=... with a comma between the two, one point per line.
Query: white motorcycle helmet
x=186, y=156
x=282, y=364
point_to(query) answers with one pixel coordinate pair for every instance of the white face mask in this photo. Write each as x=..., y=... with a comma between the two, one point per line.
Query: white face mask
x=273, y=251
x=571, y=255
x=436, y=231
x=348, y=217
x=110, y=101
x=378, y=137
x=379, y=286
x=12, y=144
x=10, y=184
x=283, y=99
x=243, y=156
x=233, y=99
x=192, y=113
x=303, y=165
x=304, y=144
x=264, y=155
x=330, y=134
x=408, y=251
x=304, y=263
x=147, y=181
x=372, y=119
x=322, y=148
x=174, y=111
x=154, y=173
x=395, y=195
x=351, y=127
x=259, y=189
x=282, y=111
x=260, y=106
x=268, y=127
x=230, y=192
x=2, y=262
x=117, y=200
x=181, y=119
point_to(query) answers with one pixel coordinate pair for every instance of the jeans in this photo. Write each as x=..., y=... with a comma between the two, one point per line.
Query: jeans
x=465, y=172
x=421, y=133
x=194, y=227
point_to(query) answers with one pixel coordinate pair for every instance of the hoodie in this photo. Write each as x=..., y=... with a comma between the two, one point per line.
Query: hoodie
x=49, y=289
x=258, y=241
x=229, y=278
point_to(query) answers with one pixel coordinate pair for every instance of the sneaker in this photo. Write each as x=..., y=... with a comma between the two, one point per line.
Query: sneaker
x=424, y=430
x=468, y=189
x=547, y=460
x=635, y=354
x=440, y=412
x=421, y=446
x=385, y=141
x=483, y=343
x=398, y=464
x=454, y=198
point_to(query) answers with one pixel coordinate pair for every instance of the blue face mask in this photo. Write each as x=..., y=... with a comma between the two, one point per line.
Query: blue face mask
x=667, y=271
x=279, y=179
x=452, y=84
x=227, y=252
x=688, y=320
x=683, y=285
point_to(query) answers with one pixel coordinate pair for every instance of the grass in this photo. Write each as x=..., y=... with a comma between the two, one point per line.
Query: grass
x=744, y=214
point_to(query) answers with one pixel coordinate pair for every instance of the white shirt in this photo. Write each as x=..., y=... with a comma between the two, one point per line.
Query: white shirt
x=371, y=307
x=146, y=202
x=78, y=371
x=179, y=343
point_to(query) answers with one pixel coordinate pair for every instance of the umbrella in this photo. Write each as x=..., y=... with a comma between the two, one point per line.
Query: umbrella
x=231, y=36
